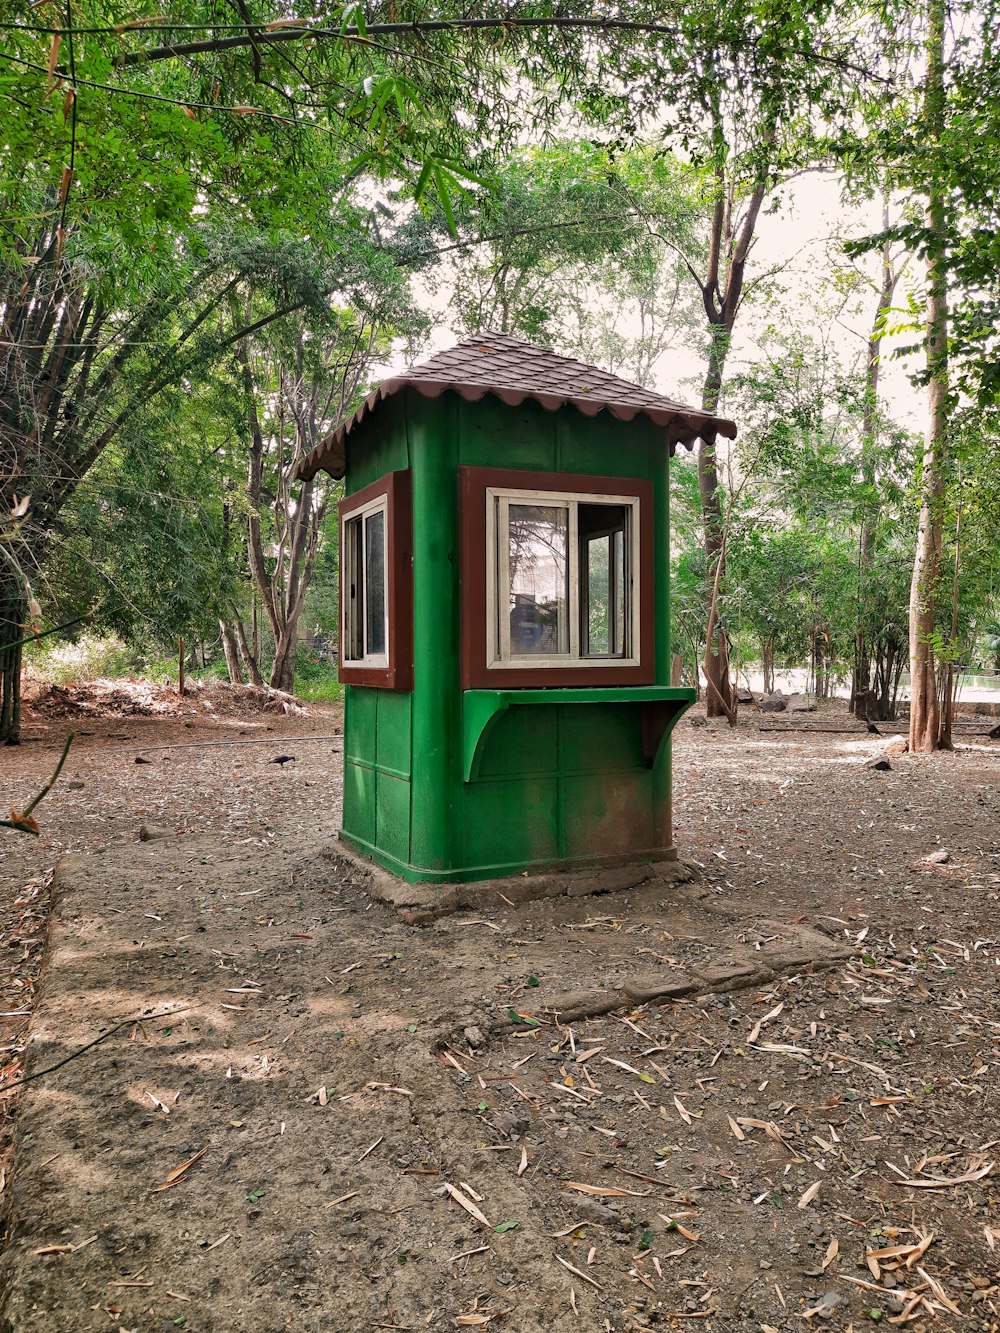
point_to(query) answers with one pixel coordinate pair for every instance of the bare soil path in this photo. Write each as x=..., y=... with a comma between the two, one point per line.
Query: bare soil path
x=387, y=1127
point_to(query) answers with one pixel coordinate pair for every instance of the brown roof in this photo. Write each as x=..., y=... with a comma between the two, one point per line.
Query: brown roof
x=513, y=371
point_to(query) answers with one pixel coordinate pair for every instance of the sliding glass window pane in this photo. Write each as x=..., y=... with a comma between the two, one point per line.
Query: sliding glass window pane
x=597, y=583
x=539, y=578
x=619, y=645
x=354, y=648
x=603, y=578
x=375, y=583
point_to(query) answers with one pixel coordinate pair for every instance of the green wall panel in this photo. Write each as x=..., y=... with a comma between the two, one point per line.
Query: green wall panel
x=510, y=823
x=393, y=744
x=493, y=435
x=600, y=445
x=359, y=801
x=522, y=741
x=436, y=730
x=360, y=705
x=608, y=814
x=392, y=819
x=378, y=446
x=597, y=738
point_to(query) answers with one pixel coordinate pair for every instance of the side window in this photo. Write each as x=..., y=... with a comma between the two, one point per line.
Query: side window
x=376, y=591
x=366, y=608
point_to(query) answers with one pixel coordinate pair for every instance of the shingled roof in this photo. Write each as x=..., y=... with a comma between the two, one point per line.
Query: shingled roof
x=514, y=371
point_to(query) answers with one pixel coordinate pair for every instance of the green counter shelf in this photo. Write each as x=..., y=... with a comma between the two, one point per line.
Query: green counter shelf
x=661, y=706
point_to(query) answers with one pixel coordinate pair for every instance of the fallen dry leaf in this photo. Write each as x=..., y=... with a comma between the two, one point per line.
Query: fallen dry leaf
x=578, y=1272
x=177, y=1175
x=606, y=1191
x=939, y=1182
x=810, y=1194
x=754, y=1032
x=463, y=1201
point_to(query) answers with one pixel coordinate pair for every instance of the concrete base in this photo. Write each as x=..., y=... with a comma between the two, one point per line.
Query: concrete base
x=421, y=904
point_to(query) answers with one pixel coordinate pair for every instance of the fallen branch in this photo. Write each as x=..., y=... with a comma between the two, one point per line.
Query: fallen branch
x=22, y=821
x=123, y=1023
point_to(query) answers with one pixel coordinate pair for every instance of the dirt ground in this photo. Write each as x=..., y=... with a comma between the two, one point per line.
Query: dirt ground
x=786, y=1114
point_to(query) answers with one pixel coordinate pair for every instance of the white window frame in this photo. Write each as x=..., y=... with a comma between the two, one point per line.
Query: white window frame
x=349, y=610
x=498, y=653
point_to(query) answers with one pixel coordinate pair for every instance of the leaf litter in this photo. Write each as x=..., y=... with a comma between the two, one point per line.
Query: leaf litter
x=856, y=1088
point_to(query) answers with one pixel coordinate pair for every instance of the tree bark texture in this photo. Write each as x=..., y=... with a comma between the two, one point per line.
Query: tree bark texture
x=730, y=238
x=13, y=614
x=248, y=654
x=232, y=654
x=865, y=644
x=925, y=705
x=282, y=578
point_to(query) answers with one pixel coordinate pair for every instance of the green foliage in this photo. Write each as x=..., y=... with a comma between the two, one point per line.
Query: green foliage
x=575, y=246
x=954, y=160
x=316, y=678
x=90, y=657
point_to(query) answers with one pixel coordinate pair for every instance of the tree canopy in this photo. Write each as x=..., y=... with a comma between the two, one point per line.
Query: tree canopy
x=204, y=211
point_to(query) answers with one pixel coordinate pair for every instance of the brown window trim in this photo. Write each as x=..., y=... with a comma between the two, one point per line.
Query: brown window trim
x=398, y=675
x=476, y=674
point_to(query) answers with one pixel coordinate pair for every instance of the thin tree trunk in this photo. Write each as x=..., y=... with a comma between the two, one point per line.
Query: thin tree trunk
x=232, y=654
x=283, y=670
x=719, y=700
x=249, y=655
x=862, y=678
x=13, y=614
x=951, y=681
x=925, y=709
x=722, y=291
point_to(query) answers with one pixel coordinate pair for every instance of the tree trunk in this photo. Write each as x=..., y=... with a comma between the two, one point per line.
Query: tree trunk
x=13, y=615
x=925, y=708
x=283, y=668
x=232, y=654
x=247, y=653
x=863, y=647
x=720, y=701
x=951, y=676
x=767, y=663
x=722, y=291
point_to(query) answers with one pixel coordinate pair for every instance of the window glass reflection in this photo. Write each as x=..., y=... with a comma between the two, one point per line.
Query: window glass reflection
x=539, y=577
x=375, y=583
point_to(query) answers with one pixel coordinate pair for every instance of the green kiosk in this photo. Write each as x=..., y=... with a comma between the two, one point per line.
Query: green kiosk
x=505, y=576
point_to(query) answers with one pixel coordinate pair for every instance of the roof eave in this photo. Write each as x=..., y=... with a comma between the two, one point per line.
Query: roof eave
x=330, y=455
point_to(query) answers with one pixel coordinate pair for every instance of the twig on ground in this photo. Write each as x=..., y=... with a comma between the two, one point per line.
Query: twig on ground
x=124, y=1023
x=22, y=821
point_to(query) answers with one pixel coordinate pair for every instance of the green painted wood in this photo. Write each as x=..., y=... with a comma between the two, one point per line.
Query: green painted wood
x=359, y=800
x=393, y=740
x=366, y=744
x=436, y=796
x=392, y=815
x=481, y=708
x=441, y=785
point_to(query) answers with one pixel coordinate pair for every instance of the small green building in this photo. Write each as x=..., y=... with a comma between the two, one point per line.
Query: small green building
x=505, y=583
